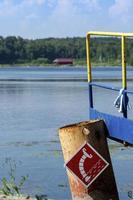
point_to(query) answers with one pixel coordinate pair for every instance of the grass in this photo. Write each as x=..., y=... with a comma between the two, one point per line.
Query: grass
x=76, y=62
x=9, y=186
x=82, y=62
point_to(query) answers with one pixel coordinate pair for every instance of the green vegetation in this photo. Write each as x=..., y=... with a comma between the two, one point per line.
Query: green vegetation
x=104, y=51
x=9, y=185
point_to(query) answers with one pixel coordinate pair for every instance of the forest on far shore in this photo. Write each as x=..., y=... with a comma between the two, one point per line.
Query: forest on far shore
x=104, y=50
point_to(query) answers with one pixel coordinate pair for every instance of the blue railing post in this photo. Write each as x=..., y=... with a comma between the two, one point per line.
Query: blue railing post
x=90, y=96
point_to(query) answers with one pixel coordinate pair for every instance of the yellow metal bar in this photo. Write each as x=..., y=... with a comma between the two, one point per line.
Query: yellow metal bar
x=88, y=58
x=124, y=71
x=115, y=34
x=123, y=53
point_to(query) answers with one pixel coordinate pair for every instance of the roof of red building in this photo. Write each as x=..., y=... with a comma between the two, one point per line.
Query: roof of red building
x=63, y=61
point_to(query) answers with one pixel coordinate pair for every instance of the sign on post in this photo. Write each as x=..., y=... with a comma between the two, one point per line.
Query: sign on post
x=87, y=164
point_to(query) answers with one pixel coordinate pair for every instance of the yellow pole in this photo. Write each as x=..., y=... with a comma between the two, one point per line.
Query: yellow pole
x=124, y=74
x=88, y=58
x=113, y=34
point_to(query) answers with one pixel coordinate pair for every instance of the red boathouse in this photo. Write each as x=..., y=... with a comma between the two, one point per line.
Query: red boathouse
x=63, y=61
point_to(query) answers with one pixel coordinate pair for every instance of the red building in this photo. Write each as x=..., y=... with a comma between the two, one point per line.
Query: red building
x=63, y=61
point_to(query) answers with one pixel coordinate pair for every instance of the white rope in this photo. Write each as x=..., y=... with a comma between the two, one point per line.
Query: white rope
x=121, y=101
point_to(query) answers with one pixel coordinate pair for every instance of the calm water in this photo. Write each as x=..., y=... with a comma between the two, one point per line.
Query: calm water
x=31, y=112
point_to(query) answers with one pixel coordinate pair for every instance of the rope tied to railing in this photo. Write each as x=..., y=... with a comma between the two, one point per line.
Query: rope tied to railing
x=121, y=102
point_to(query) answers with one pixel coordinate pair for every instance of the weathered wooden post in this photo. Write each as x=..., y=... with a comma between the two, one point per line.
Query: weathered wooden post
x=72, y=138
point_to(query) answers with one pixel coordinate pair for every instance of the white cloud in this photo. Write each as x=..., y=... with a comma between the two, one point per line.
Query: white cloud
x=51, y=3
x=31, y=16
x=10, y=8
x=91, y=5
x=71, y=17
x=122, y=9
x=38, y=2
x=60, y=18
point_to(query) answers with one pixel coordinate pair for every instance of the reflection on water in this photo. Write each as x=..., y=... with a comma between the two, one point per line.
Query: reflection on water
x=30, y=115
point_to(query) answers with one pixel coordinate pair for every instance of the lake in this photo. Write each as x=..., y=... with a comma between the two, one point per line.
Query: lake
x=34, y=103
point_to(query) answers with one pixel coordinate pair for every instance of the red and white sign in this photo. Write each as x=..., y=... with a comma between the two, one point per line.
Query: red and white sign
x=87, y=164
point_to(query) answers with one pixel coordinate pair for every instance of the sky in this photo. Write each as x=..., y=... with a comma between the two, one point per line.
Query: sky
x=64, y=18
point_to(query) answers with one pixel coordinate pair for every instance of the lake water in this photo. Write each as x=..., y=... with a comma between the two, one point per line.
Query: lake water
x=34, y=103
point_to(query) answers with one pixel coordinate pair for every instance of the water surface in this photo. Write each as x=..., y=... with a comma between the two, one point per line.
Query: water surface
x=32, y=111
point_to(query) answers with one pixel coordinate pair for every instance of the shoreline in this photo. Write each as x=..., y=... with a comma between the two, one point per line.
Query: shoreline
x=60, y=66
x=100, y=65
x=4, y=197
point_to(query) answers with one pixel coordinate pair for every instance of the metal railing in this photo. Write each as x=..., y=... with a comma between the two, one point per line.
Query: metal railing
x=123, y=37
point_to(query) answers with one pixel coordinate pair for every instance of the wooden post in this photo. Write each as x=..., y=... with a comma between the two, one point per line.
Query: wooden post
x=72, y=138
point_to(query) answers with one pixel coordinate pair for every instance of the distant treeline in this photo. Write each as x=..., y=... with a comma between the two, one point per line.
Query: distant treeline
x=16, y=50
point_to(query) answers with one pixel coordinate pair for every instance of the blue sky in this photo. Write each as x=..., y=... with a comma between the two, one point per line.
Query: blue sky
x=64, y=18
